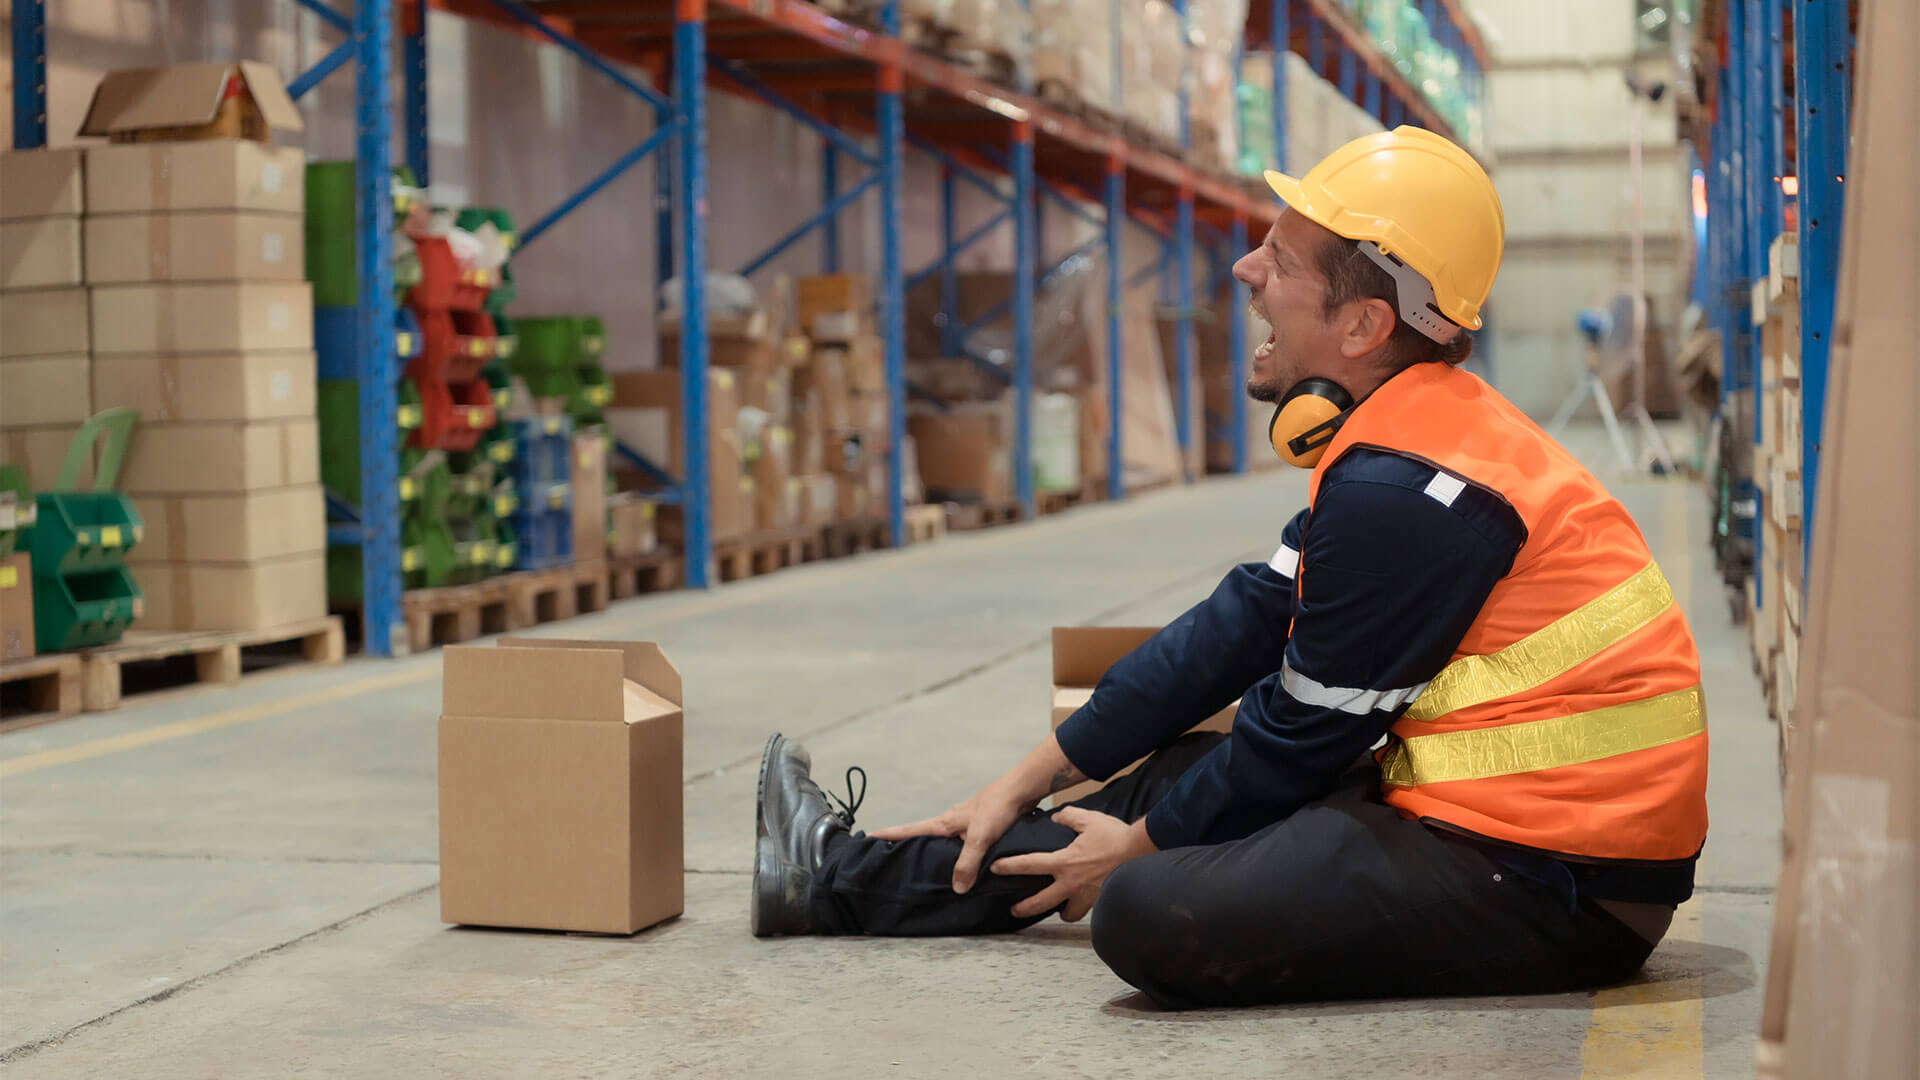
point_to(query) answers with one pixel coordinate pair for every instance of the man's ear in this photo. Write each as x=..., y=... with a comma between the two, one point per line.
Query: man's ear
x=1370, y=324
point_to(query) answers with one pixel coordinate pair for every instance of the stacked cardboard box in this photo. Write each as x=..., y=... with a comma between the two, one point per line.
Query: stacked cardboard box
x=841, y=403
x=201, y=321
x=45, y=345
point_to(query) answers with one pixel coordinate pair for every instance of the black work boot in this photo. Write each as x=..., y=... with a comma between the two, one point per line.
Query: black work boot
x=794, y=819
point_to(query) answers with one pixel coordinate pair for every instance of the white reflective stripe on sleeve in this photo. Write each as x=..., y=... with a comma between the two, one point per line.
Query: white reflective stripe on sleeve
x=1285, y=562
x=1445, y=488
x=1347, y=699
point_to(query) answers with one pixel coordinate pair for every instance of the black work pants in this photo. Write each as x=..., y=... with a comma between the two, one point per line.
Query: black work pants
x=1344, y=899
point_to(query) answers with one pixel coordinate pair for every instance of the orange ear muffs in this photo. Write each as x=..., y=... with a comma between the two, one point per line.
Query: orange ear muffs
x=1306, y=420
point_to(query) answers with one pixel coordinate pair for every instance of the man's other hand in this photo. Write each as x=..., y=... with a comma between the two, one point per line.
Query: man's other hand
x=1081, y=867
x=978, y=822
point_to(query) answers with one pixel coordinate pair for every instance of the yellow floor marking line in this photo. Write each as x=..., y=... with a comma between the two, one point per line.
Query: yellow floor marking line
x=1649, y=1030
x=113, y=744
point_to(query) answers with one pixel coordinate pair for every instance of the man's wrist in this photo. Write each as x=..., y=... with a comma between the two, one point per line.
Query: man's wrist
x=1140, y=842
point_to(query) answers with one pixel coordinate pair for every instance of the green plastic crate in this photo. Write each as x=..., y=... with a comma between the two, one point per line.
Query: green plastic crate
x=83, y=610
x=82, y=531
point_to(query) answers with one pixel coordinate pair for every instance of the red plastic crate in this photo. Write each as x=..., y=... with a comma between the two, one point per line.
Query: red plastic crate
x=446, y=354
x=445, y=285
x=453, y=417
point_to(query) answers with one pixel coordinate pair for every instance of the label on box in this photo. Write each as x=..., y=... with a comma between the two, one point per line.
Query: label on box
x=270, y=177
x=110, y=536
x=279, y=386
x=272, y=249
x=278, y=316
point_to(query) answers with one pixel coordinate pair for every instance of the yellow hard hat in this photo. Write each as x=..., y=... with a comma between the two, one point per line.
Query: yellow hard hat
x=1419, y=197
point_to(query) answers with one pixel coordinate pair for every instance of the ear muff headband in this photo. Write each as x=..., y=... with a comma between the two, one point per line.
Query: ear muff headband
x=1306, y=420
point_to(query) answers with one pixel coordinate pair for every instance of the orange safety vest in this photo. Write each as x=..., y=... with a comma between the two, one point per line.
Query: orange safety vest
x=1570, y=718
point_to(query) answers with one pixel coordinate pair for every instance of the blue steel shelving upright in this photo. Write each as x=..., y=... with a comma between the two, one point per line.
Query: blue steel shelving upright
x=842, y=81
x=1746, y=161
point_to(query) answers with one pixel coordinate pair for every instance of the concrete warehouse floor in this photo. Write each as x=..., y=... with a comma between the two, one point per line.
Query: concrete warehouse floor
x=241, y=883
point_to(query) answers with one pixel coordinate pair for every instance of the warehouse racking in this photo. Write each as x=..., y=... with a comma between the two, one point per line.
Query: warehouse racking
x=848, y=83
x=1777, y=80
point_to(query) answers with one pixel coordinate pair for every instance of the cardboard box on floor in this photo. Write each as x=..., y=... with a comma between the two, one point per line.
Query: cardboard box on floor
x=560, y=786
x=1081, y=656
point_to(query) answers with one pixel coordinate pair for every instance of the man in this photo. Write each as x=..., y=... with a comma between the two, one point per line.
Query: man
x=1459, y=594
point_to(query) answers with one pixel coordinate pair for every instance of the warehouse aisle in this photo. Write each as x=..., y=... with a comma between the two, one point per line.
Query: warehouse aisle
x=241, y=884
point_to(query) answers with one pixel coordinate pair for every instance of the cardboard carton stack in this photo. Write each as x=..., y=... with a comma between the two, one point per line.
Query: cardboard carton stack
x=45, y=344
x=201, y=320
x=841, y=408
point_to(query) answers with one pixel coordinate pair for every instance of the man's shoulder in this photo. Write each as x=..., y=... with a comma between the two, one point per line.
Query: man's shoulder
x=1391, y=488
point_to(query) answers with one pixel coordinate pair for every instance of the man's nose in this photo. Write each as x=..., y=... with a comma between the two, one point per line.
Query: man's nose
x=1245, y=273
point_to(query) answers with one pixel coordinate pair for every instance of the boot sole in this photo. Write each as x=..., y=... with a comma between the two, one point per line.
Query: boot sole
x=766, y=862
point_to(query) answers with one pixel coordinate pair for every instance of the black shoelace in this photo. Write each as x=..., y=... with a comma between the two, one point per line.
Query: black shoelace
x=848, y=809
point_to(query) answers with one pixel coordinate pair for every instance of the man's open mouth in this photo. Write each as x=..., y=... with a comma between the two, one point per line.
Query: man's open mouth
x=1266, y=347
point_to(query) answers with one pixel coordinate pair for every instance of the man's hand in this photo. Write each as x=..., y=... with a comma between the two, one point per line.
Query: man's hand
x=1081, y=867
x=978, y=822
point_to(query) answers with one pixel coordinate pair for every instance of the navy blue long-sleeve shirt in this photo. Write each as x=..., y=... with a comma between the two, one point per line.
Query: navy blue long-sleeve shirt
x=1397, y=556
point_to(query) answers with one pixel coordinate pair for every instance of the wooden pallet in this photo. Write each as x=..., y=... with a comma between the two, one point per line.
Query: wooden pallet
x=143, y=662
x=538, y=596
x=1053, y=502
x=49, y=688
x=656, y=571
x=844, y=538
x=926, y=523
x=962, y=517
x=451, y=614
x=766, y=551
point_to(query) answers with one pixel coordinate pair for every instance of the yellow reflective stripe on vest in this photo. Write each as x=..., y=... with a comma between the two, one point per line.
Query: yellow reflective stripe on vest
x=1533, y=745
x=1549, y=651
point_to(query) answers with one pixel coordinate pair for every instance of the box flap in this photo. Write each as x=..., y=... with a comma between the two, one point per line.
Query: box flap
x=642, y=661
x=1081, y=654
x=270, y=95
x=533, y=684
x=182, y=95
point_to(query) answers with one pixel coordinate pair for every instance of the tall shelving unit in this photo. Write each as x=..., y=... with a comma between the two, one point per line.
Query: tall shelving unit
x=1778, y=79
x=869, y=96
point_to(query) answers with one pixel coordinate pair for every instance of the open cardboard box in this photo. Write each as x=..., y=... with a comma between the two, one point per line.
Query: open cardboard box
x=1081, y=655
x=560, y=786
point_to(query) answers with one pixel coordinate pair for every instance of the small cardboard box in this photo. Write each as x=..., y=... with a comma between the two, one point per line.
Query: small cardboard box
x=193, y=101
x=42, y=183
x=1081, y=655
x=219, y=245
x=589, y=497
x=44, y=322
x=176, y=388
x=203, y=318
x=630, y=525
x=240, y=528
x=964, y=453
x=560, y=786
x=40, y=253
x=38, y=391
x=232, y=596
x=16, y=607
x=193, y=459
x=834, y=307
x=231, y=174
